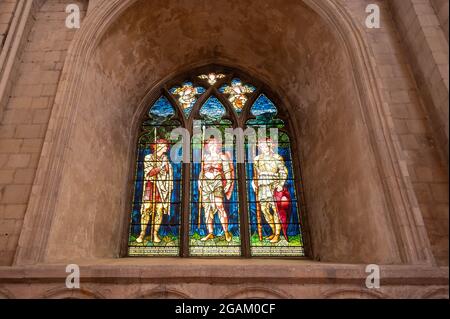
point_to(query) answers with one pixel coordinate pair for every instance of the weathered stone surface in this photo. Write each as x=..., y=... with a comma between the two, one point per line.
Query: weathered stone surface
x=225, y=279
x=304, y=61
x=375, y=179
x=25, y=118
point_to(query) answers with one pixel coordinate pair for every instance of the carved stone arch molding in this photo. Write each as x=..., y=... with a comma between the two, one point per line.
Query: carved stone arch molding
x=64, y=293
x=434, y=293
x=5, y=294
x=353, y=294
x=383, y=213
x=257, y=293
x=162, y=294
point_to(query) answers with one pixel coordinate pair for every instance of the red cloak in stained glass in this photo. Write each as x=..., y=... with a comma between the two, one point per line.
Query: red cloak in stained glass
x=152, y=192
x=283, y=202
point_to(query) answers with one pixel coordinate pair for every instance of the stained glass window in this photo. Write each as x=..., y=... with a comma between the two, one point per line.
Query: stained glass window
x=238, y=93
x=274, y=219
x=212, y=78
x=232, y=205
x=187, y=95
x=214, y=197
x=155, y=216
x=264, y=107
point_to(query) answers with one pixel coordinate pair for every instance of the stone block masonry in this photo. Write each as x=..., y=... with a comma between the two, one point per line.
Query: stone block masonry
x=7, y=8
x=25, y=118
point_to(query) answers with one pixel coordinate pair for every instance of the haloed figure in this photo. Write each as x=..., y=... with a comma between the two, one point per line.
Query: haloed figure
x=270, y=177
x=216, y=183
x=158, y=188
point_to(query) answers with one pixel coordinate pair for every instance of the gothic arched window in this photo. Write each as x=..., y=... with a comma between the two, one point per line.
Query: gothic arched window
x=215, y=175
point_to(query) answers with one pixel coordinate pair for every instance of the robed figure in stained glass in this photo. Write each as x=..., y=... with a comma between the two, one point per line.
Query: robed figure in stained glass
x=216, y=184
x=269, y=183
x=158, y=188
x=213, y=227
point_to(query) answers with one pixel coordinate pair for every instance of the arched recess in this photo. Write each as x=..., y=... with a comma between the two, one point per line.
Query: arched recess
x=257, y=293
x=64, y=293
x=162, y=294
x=236, y=120
x=349, y=293
x=5, y=294
x=320, y=64
x=434, y=293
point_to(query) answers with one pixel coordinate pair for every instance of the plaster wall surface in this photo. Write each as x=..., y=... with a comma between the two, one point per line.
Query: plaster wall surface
x=304, y=63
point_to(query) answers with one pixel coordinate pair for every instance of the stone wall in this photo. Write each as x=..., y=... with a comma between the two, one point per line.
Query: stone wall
x=209, y=279
x=409, y=132
x=7, y=8
x=441, y=9
x=314, y=79
x=422, y=35
x=423, y=128
x=25, y=119
x=352, y=190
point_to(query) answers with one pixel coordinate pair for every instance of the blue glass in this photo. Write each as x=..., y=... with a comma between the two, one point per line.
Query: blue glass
x=271, y=240
x=218, y=245
x=213, y=109
x=149, y=236
x=177, y=177
x=169, y=230
x=162, y=109
x=263, y=105
x=201, y=90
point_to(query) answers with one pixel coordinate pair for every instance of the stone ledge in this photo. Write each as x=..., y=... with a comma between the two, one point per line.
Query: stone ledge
x=228, y=271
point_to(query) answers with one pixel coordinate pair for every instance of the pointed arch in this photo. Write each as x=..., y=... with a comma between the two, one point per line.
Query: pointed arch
x=411, y=241
x=220, y=223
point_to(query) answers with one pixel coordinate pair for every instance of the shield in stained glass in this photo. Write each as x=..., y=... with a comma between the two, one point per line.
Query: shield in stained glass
x=238, y=93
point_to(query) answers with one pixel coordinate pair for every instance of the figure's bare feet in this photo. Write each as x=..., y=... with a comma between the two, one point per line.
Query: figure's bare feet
x=208, y=237
x=275, y=239
x=140, y=240
x=270, y=237
x=228, y=236
x=156, y=239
